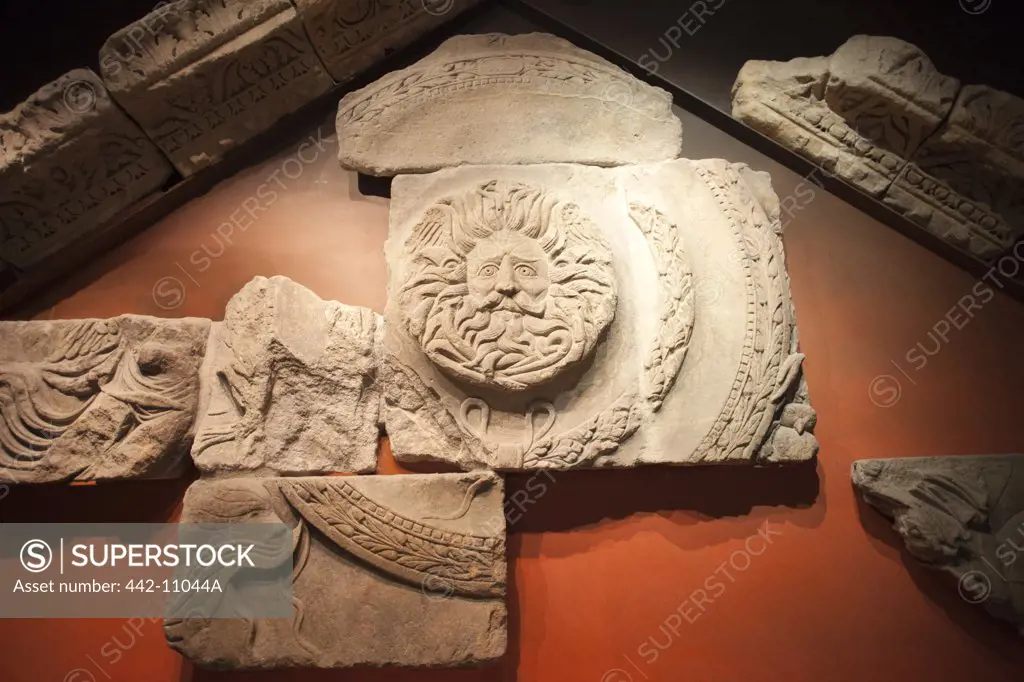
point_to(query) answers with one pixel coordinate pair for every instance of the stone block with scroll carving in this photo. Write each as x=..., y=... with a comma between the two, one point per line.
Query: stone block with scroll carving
x=289, y=385
x=889, y=91
x=966, y=182
x=878, y=114
x=203, y=76
x=387, y=570
x=962, y=515
x=352, y=36
x=98, y=399
x=563, y=316
x=859, y=113
x=70, y=160
x=500, y=99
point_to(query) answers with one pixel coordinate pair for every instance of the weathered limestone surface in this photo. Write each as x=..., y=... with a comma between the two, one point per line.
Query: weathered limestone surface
x=351, y=36
x=69, y=161
x=785, y=101
x=98, y=399
x=881, y=117
x=962, y=515
x=203, y=76
x=967, y=180
x=289, y=385
x=562, y=316
x=387, y=570
x=889, y=91
x=499, y=99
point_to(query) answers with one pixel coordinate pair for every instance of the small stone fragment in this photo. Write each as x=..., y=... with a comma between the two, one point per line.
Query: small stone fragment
x=962, y=515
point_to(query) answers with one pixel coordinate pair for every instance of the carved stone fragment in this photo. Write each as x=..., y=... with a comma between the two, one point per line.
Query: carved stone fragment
x=562, y=316
x=880, y=116
x=351, y=36
x=203, y=76
x=387, y=570
x=98, y=399
x=962, y=515
x=478, y=100
x=70, y=160
x=967, y=181
x=889, y=91
x=289, y=384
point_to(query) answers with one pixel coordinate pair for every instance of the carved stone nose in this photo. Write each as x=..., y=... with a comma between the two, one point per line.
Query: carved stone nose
x=506, y=284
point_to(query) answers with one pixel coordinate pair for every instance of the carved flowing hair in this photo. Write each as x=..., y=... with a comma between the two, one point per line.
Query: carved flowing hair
x=472, y=343
x=39, y=401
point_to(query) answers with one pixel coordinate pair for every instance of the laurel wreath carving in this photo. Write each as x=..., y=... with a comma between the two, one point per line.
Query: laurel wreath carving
x=408, y=550
x=770, y=364
x=607, y=430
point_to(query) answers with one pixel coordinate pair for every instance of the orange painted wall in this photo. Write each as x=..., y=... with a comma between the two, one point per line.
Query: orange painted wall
x=602, y=560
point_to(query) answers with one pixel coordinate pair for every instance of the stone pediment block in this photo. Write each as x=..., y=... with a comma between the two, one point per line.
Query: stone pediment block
x=289, y=385
x=351, y=36
x=204, y=76
x=567, y=316
x=386, y=571
x=70, y=160
x=98, y=399
x=505, y=99
x=879, y=115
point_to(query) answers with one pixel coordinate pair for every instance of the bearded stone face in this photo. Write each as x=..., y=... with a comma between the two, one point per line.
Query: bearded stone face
x=507, y=286
x=508, y=272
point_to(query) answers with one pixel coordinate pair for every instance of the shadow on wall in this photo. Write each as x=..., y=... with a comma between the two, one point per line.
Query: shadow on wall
x=940, y=588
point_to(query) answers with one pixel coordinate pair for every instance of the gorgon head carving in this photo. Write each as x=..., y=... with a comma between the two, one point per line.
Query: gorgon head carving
x=506, y=285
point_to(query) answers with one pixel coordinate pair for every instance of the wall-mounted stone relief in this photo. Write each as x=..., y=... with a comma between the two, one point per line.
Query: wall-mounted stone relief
x=69, y=161
x=204, y=76
x=877, y=114
x=98, y=399
x=570, y=316
x=289, y=385
x=500, y=99
x=387, y=570
x=352, y=36
x=962, y=515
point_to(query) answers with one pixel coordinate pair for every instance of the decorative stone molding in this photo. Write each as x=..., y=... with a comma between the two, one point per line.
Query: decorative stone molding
x=879, y=115
x=665, y=283
x=478, y=99
x=98, y=399
x=69, y=161
x=967, y=180
x=962, y=515
x=289, y=385
x=352, y=36
x=387, y=570
x=203, y=76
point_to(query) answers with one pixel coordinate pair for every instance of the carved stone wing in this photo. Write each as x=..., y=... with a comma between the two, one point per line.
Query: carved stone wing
x=405, y=549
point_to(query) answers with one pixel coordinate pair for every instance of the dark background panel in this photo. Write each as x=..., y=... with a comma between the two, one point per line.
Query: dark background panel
x=703, y=56
x=43, y=39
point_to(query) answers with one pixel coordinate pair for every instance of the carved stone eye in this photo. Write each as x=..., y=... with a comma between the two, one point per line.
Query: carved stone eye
x=524, y=270
x=489, y=270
